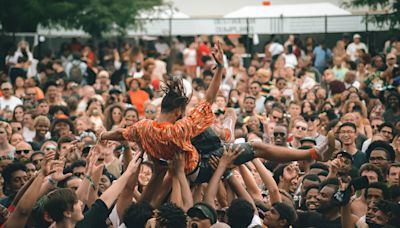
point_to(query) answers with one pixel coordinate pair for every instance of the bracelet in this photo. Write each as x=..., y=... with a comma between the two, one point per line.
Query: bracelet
x=219, y=65
x=51, y=181
x=228, y=174
x=91, y=181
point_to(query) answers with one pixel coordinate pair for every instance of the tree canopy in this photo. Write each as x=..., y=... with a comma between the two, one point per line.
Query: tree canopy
x=390, y=11
x=95, y=17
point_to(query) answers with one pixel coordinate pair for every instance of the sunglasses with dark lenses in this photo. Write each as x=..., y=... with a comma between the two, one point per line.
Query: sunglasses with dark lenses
x=282, y=134
x=22, y=151
x=150, y=111
x=300, y=127
x=78, y=174
x=308, y=118
x=375, y=126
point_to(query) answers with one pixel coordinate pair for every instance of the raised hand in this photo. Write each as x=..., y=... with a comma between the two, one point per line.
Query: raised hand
x=47, y=162
x=57, y=170
x=229, y=156
x=214, y=161
x=134, y=165
x=290, y=172
x=92, y=158
x=218, y=53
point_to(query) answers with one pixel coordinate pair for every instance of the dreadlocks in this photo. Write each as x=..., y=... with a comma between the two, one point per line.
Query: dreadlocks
x=175, y=96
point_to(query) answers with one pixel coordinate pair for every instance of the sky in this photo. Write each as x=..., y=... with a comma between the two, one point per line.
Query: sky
x=218, y=8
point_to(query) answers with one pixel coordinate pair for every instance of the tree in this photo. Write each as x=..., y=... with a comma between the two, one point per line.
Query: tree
x=95, y=17
x=390, y=11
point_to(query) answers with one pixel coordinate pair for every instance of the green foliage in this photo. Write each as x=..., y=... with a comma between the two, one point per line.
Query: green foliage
x=95, y=17
x=390, y=11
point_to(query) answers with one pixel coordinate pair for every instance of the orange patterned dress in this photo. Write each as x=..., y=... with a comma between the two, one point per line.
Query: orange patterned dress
x=162, y=139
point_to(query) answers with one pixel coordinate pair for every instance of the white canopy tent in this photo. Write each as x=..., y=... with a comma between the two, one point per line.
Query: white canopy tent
x=293, y=10
x=147, y=19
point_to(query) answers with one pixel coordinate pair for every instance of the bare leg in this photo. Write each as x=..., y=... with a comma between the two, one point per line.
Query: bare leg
x=280, y=154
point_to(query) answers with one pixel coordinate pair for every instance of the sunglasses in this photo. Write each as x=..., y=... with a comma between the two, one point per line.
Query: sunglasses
x=282, y=134
x=375, y=126
x=22, y=151
x=36, y=162
x=300, y=127
x=150, y=111
x=77, y=174
x=310, y=118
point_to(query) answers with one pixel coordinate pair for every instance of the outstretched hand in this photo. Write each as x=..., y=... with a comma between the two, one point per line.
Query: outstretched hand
x=218, y=53
x=229, y=156
x=134, y=165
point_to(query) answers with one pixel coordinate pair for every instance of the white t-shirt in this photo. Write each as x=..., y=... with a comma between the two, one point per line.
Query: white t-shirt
x=352, y=49
x=276, y=49
x=28, y=134
x=10, y=103
x=260, y=108
x=189, y=57
x=160, y=69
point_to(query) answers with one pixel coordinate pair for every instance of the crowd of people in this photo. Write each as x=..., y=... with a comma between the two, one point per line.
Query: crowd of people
x=185, y=134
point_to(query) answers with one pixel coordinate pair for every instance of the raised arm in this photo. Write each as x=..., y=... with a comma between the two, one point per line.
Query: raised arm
x=87, y=184
x=250, y=182
x=224, y=162
x=268, y=180
x=218, y=54
x=111, y=194
x=126, y=196
x=187, y=197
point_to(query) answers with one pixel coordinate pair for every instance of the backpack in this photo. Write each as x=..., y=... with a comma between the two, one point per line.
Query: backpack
x=75, y=74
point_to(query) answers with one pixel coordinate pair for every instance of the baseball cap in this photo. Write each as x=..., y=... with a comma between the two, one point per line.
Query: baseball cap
x=356, y=36
x=308, y=139
x=203, y=210
x=345, y=154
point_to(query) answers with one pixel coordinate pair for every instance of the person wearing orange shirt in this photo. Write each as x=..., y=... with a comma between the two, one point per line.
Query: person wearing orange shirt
x=137, y=96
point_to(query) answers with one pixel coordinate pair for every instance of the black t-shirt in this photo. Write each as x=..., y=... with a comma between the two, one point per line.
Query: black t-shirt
x=96, y=216
x=315, y=219
x=359, y=158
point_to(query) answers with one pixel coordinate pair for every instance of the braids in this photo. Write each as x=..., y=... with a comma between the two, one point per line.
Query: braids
x=175, y=96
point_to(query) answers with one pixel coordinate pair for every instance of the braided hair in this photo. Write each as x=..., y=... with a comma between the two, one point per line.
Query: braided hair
x=175, y=96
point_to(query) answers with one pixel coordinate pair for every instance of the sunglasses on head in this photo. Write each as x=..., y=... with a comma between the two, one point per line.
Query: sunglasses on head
x=22, y=151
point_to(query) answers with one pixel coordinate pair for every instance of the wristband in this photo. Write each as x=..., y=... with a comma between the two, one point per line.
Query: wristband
x=91, y=181
x=219, y=65
x=51, y=181
x=313, y=154
x=228, y=174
